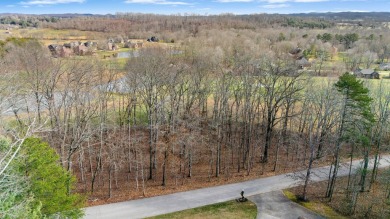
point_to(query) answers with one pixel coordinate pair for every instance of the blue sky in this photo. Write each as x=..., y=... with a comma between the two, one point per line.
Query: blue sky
x=203, y=7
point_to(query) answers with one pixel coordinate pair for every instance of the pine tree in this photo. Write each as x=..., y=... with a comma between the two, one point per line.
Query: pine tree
x=356, y=108
x=16, y=201
x=49, y=182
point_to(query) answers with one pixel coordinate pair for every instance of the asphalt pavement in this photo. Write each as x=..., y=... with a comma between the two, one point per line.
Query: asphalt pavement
x=272, y=205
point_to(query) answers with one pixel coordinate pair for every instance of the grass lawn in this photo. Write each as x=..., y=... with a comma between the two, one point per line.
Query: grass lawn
x=384, y=74
x=317, y=207
x=225, y=210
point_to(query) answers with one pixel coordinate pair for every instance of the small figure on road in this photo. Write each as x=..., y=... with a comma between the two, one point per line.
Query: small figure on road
x=242, y=199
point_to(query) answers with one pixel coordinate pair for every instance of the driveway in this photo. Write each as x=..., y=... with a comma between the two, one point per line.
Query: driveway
x=272, y=205
x=147, y=207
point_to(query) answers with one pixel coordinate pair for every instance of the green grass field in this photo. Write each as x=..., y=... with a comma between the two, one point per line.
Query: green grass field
x=225, y=210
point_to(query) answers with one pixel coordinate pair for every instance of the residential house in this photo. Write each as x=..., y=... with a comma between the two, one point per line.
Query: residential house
x=55, y=50
x=65, y=52
x=295, y=52
x=72, y=45
x=153, y=39
x=80, y=50
x=111, y=46
x=366, y=73
x=302, y=62
x=90, y=44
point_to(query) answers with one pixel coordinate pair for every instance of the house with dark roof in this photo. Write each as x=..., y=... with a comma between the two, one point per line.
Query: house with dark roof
x=296, y=51
x=55, y=50
x=302, y=62
x=90, y=44
x=366, y=73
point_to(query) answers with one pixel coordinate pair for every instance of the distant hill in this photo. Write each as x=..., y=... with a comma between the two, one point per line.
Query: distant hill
x=352, y=16
x=66, y=15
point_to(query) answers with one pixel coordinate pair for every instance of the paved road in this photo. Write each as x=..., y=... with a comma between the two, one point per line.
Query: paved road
x=272, y=205
x=195, y=198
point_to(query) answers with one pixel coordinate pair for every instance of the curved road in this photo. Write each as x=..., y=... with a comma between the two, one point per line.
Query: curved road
x=147, y=207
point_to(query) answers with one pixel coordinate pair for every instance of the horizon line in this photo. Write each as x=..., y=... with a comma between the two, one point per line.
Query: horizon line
x=194, y=14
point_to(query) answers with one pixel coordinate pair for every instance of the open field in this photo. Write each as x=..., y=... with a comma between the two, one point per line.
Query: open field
x=384, y=74
x=50, y=36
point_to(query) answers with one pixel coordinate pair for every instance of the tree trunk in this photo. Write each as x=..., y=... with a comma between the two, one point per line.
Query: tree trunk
x=364, y=172
x=164, y=168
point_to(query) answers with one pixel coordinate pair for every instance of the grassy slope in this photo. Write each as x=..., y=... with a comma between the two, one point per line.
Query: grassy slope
x=226, y=210
x=317, y=207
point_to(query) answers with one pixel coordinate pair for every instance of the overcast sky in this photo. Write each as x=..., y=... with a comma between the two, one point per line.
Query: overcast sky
x=202, y=7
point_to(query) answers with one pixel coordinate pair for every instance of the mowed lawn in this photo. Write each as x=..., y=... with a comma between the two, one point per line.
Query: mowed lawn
x=225, y=210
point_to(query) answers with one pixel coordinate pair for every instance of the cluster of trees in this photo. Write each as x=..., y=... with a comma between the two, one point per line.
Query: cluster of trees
x=33, y=182
x=221, y=107
x=307, y=23
x=347, y=39
x=325, y=37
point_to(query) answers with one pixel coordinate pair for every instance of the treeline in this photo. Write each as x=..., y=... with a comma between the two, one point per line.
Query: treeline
x=351, y=17
x=27, y=20
x=127, y=22
x=190, y=22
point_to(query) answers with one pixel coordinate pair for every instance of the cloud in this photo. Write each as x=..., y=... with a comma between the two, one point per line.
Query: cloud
x=308, y=1
x=50, y=2
x=284, y=1
x=230, y=1
x=276, y=1
x=157, y=2
x=271, y=6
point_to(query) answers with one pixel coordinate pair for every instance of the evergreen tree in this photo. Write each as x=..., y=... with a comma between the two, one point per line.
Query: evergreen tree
x=15, y=199
x=49, y=182
x=355, y=112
